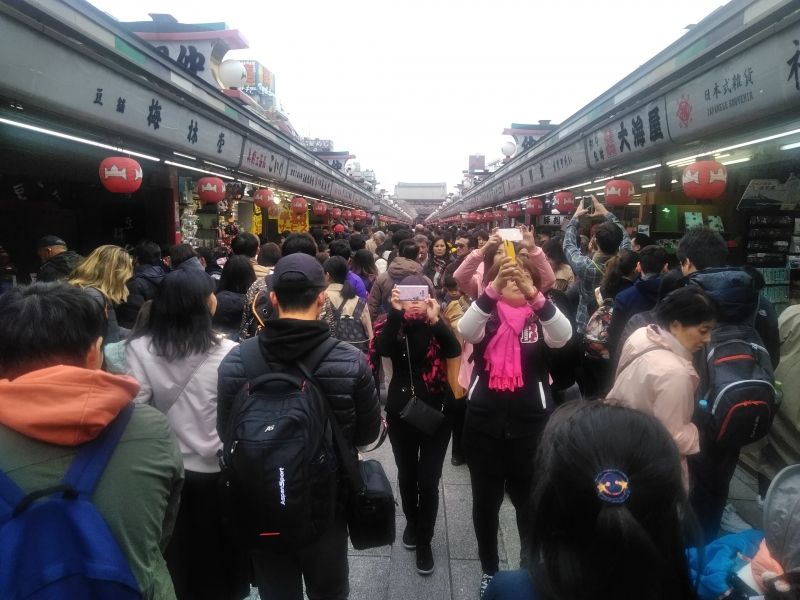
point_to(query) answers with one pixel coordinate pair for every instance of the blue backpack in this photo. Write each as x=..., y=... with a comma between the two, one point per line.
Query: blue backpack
x=54, y=544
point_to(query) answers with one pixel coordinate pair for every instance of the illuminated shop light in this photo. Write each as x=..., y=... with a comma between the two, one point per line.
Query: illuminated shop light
x=191, y=168
x=738, y=160
x=791, y=146
x=80, y=140
x=642, y=170
x=184, y=155
x=649, y=185
x=576, y=185
x=595, y=189
x=689, y=159
x=208, y=162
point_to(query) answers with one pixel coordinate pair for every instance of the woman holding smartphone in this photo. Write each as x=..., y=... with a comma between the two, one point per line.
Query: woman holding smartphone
x=509, y=397
x=420, y=345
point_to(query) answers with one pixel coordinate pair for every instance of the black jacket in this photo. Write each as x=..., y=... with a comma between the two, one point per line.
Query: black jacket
x=344, y=375
x=59, y=266
x=141, y=288
x=228, y=315
x=391, y=343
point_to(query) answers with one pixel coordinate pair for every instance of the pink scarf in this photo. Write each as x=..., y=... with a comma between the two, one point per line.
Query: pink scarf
x=503, y=352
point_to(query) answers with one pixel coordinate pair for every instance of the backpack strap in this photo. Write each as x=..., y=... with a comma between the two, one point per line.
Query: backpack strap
x=91, y=461
x=11, y=496
x=360, y=305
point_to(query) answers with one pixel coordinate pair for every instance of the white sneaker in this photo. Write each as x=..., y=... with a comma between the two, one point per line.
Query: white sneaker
x=731, y=521
x=485, y=581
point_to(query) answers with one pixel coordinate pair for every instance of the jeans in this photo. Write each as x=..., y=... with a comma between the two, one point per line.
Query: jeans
x=323, y=565
x=419, y=460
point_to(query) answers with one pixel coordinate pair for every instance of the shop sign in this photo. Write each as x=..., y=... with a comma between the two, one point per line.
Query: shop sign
x=305, y=178
x=88, y=91
x=554, y=167
x=193, y=56
x=265, y=162
x=752, y=84
x=551, y=220
x=289, y=221
x=631, y=134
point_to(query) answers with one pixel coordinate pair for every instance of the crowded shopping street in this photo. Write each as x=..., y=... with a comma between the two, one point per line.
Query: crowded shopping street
x=535, y=335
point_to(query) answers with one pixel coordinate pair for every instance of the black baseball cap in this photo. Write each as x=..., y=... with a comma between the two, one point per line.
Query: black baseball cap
x=298, y=271
x=50, y=240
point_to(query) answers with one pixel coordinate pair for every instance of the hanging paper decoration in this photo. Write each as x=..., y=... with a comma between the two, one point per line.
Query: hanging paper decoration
x=299, y=205
x=211, y=190
x=274, y=211
x=347, y=214
x=121, y=175
x=336, y=213
x=263, y=197
x=513, y=210
x=473, y=216
x=320, y=209
x=619, y=192
x=564, y=202
x=705, y=179
x=534, y=207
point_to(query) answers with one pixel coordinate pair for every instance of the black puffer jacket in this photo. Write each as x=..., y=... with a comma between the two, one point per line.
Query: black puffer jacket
x=58, y=267
x=344, y=375
x=141, y=288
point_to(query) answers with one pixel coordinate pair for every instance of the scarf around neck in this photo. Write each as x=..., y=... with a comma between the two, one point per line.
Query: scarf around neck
x=503, y=354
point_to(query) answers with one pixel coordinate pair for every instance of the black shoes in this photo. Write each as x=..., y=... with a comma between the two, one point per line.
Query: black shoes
x=424, y=559
x=409, y=538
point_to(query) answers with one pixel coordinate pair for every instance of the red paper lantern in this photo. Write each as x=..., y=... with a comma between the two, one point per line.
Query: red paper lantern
x=120, y=174
x=513, y=210
x=274, y=211
x=299, y=205
x=473, y=216
x=534, y=207
x=211, y=190
x=619, y=192
x=320, y=210
x=360, y=214
x=499, y=215
x=263, y=198
x=336, y=213
x=705, y=179
x=347, y=214
x=564, y=202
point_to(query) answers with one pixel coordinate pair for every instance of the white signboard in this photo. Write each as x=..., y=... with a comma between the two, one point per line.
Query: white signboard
x=265, y=162
x=630, y=134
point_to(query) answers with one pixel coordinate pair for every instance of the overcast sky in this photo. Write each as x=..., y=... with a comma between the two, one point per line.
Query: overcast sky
x=413, y=87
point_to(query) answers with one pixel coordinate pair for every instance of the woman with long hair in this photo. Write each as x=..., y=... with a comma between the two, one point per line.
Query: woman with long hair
x=558, y=261
x=509, y=398
x=419, y=344
x=237, y=277
x=619, y=273
x=103, y=275
x=611, y=519
x=437, y=263
x=175, y=357
x=345, y=304
x=656, y=374
x=362, y=263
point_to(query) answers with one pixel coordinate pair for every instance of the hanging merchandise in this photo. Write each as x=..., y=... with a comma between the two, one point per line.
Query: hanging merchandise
x=120, y=174
x=263, y=197
x=619, y=192
x=705, y=179
x=211, y=190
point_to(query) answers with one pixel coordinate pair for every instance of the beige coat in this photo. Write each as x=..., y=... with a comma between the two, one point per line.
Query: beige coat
x=655, y=375
x=334, y=293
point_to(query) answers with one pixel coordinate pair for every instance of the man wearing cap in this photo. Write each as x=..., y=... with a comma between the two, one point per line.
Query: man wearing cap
x=298, y=291
x=57, y=261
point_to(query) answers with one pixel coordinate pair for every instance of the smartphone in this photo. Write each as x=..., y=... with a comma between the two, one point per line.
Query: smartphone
x=588, y=204
x=510, y=234
x=413, y=292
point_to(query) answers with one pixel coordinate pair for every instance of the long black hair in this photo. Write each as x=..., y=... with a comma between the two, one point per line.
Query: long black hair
x=180, y=321
x=617, y=269
x=336, y=268
x=688, y=305
x=363, y=262
x=237, y=275
x=590, y=548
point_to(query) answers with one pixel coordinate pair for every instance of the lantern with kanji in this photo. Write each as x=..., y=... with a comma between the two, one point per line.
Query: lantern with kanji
x=564, y=202
x=336, y=213
x=705, y=179
x=211, y=190
x=512, y=210
x=619, y=192
x=320, y=210
x=534, y=207
x=299, y=205
x=121, y=175
x=347, y=214
x=263, y=197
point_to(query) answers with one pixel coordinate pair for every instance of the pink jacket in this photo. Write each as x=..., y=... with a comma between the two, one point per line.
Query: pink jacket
x=655, y=375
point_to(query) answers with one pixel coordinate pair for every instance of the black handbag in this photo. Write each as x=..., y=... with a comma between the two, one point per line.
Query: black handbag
x=418, y=413
x=370, y=510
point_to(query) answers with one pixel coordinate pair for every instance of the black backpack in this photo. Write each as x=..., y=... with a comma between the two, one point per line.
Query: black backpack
x=350, y=328
x=738, y=386
x=280, y=466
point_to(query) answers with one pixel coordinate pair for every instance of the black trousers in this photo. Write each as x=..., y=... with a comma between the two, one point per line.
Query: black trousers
x=419, y=458
x=710, y=474
x=323, y=565
x=204, y=562
x=457, y=410
x=498, y=466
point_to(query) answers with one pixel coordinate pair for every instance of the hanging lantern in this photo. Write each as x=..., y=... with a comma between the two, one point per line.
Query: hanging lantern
x=121, y=175
x=564, y=202
x=619, y=192
x=299, y=205
x=347, y=214
x=336, y=213
x=320, y=209
x=534, y=207
x=263, y=198
x=499, y=215
x=211, y=190
x=705, y=179
x=274, y=211
x=473, y=216
x=512, y=210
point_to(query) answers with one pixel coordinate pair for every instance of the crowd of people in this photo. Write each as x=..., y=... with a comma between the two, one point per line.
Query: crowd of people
x=607, y=387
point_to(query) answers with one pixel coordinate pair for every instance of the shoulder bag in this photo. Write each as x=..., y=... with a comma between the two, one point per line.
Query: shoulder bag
x=416, y=412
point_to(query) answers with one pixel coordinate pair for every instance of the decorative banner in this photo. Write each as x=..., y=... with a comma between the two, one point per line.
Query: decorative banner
x=292, y=221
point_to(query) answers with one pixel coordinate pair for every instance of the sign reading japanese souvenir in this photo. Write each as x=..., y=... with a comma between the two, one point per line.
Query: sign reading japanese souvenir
x=743, y=88
x=630, y=134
